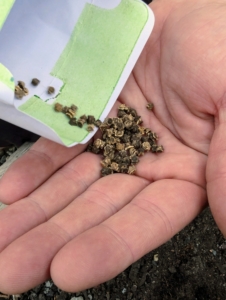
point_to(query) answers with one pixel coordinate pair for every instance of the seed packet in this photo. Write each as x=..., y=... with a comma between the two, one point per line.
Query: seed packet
x=73, y=53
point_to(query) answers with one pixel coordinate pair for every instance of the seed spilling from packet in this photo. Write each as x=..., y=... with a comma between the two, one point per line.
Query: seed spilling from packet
x=21, y=90
x=124, y=140
x=71, y=112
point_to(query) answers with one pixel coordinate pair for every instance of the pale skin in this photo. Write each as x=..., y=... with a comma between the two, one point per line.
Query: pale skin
x=67, y=223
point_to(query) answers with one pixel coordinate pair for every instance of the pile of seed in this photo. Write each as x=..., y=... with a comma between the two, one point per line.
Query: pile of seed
x=21, y=90
x=81, y=121
x=123, y=141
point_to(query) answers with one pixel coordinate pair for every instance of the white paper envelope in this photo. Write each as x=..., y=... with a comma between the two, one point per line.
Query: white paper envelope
x=84, y=49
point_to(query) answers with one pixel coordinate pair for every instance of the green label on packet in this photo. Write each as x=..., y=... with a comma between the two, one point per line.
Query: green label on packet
x=84, y=49
x=92, y=63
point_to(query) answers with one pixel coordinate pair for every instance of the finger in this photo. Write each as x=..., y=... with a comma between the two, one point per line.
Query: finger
x=33, y=168
x=216, y=174
x=49, y=199
x=99, y=254
x=34, y=251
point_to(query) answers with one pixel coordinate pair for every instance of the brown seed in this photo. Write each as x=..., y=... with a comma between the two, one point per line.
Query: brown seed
x=160, y=149
x=154, y=147
x=137, y=135
x=123, y=168
x=144, y=139
x=107, y=149
x=103, y=126
x=95, y=150
x=21, y=90
x=35, y=81
x=133, y=112
x=150, y=106
x=134, y=159
x=70, y=113
x=136, y=143
x=103, y=143
x=98, y=143
x=51, y=90
x=142, y=130
x=128, y=124
x=119, y=133
x=106, y=162
x=90, y=127
x=106, y=171
x=73, y=122
x=147, y=131
x=21, y=84
x=155, y=136
x=97, y=123
x=131, y=170
x=126, y=160
x=89, y=148
x=135, y=128
x=128, y=146
x=90, y=120
x=123, y=153
x=26, y=91
x=109, y=132
x=111, y=140
x=80, y=122
x=74, y=107
x=109, y=121
x=84, y=117
x=140, y=152
x=146, y=146
x=111, y=154
x=115, y=167
x=120, y=146
x=65, y=109
x=121, y=113
x=125, y=138
x=119, y=126
x=132, y=151
x=58, y=107
x=123, y=107
x=130, y=117
x=19, y=93
x=138, y=120
x=118, y=158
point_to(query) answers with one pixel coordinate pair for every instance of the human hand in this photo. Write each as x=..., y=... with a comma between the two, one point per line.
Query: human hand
x=67, y=223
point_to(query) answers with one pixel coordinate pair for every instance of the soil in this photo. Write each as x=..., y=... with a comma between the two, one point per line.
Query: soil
x=190, y=266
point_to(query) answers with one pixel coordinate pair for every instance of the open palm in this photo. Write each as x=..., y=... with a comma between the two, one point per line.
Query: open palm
x=67, y=223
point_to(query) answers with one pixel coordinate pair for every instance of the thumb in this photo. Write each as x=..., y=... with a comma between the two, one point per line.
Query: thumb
x=216, y=172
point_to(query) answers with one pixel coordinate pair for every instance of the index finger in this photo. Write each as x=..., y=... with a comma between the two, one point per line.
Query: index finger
x=34, y=168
